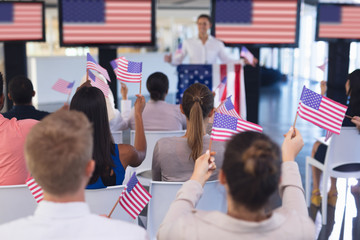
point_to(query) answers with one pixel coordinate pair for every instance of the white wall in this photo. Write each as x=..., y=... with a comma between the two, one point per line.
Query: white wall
x=45, y=71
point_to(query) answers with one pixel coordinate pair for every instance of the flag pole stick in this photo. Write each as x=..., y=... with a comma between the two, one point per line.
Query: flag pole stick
x=210, y=144
x=140, y=88
x=348, y=116
x=294, y=133
x=87, y=74
x=68, y=98
x=112, y=210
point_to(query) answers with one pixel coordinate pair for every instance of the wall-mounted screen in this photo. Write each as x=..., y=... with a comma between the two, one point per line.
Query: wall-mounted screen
x=22, y=21
x=107, y=22
x=256, y=22
x=338, y=21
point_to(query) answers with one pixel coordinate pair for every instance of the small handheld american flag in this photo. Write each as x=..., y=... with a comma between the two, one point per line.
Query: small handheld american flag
x=35, y=189
x=99, y=83
x=225, y=126
x=228, y=108
x=92, y=64
x=127, y=71
x=63, y=86
x=321, y=111
x=245, y=53
x=134, y=197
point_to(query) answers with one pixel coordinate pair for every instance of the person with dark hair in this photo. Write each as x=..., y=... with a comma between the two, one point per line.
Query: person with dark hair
x=21, y=92
x=59, y=156
x=352, y=88
x=204, y=49
x=174, y=158
x=111, y=159
x=13, y=169
x=251, y=174
x=159, y=115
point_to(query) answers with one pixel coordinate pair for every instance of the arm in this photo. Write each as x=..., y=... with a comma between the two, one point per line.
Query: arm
x=125, y=102
x=186, y=199
x=134, y=155
x=290, y=187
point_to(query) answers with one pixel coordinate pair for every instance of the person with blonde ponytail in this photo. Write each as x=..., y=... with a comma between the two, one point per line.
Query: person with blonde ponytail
x=250, y=174
x=174, y=158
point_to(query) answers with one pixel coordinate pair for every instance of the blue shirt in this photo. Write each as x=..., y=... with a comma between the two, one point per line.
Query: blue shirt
x=118, y=170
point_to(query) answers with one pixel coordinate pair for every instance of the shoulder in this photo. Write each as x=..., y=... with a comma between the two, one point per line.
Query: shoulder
x=216, y=41
x=27, y=124
x=290, y=219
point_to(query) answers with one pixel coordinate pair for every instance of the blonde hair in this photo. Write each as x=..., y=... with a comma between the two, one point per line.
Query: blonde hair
x=57, y=151
x=197, y=103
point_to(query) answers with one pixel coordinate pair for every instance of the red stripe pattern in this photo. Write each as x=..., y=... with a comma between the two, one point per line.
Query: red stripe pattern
x=126, y=21
x=99, y=83
x=122, y=71
x=225, y=126
x=134, y=197
x=321, y=111
x=27, y=23
x=228, y=108
x=35, y=189
x=63, y=86
x=272, y=22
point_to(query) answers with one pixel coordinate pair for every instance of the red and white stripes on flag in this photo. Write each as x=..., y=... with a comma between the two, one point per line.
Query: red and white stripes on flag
x=134, y=197
x=63, y=86
x=35, y=189
x=99, y=83
x=235, y=86
x=127, y=71
x=93, y=65
x=321, y=111
x=21, y=21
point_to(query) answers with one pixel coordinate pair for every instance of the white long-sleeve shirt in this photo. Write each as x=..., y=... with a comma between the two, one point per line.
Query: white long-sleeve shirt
x=200, y=53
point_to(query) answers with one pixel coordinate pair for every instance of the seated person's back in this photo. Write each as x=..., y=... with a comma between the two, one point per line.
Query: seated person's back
x=159, y=115
x=173, y=158
x=59, y=153
x=21, y=92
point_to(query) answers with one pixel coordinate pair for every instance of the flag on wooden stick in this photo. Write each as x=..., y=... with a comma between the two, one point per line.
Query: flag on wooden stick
x=63, y=86
x=99, y=83
x=127, y=71
x=93, y=65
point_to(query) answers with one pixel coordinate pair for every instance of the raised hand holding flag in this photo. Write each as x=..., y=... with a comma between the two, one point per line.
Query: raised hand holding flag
x=245, y=53
x=127, y=71
x=93, y=65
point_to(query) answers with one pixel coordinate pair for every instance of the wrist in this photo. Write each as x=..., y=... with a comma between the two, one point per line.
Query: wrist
x=198, y=179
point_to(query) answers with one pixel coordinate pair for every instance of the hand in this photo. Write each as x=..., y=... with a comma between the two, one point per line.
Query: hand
x=356, y=120
x=204, y=167
x=124, y=91
x=139, y=104
x=85, y=84
x=291, y=145
x=66, y=107
x=168, y=58
x=323, y=87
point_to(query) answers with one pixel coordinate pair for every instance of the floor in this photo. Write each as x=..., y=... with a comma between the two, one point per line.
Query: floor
x=278, y=104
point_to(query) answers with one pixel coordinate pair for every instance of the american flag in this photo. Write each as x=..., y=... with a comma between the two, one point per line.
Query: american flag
x=322, y=67
x=328, y=135
x=225, y=126
x=134, y=197
x=321, y=111
x=106, y=21
x=228, y=108
x=231, y=75
x=92, y=64
x=21, y=21
x=245, y=53
x=127, y=71
x=338, y=21
x=99, y=83
x=222, y=87
x=256, y=21
x=35, y=189
x=63, y=86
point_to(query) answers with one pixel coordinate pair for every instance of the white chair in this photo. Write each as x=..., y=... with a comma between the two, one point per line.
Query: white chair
x=101, y=201
x=117, y=136
x=16, y=201
x=143, y=171
x=343, y=149
x=164, y=193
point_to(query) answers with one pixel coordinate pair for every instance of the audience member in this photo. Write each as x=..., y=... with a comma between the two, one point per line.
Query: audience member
x=251, y=174
x=12, y=139
x=352, y=88
x=59, y=156
x=111, y=159
x=21, y=92
x=159, y=115
x=174, y=157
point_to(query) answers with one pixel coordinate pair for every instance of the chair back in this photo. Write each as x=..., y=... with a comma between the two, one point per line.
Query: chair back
x=117, y=136
x=343, y=154
x=16, y=201
x=151, y=139
x=164, y=193
x=101, y=201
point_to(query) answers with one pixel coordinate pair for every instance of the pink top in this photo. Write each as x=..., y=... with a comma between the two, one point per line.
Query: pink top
x=12, y=139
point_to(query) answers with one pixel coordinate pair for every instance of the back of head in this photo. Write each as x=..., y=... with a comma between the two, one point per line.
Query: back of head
x=21, y=90
x=252, y=169
x=91, y=101
x=197, y=103
x=354, y=90
x=158, y=85
x=57, y=151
